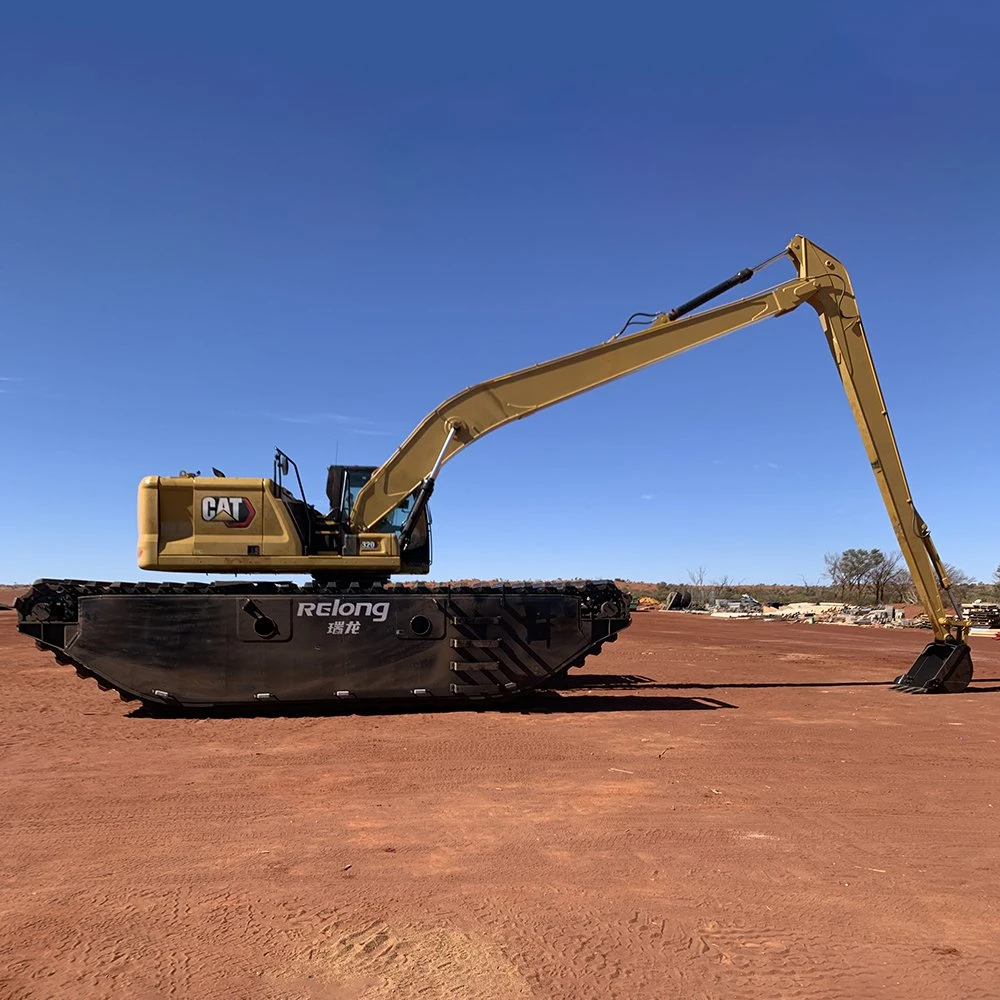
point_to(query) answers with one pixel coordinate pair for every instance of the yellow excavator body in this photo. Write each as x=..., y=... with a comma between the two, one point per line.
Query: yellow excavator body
x=200, y=524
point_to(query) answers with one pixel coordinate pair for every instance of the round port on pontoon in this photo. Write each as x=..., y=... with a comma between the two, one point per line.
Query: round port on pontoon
x=420, y=625
x=265, y=627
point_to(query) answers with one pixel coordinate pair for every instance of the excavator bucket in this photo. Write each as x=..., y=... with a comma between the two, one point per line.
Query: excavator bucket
x=942, y=668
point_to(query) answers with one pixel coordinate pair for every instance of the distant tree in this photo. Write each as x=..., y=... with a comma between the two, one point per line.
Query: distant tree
x=864, y=575
x=996, y=581
x=835, y=571
x=900, y=590
x=697, y=578
x=904, y=590
x=884, y=569
x=861, y=564
x=849, y=571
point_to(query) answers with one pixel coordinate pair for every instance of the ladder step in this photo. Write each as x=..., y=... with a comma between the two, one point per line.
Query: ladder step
x=470, y=667
x=466, y=689
x=475, y=643
x=491, y=620
x=480, y=689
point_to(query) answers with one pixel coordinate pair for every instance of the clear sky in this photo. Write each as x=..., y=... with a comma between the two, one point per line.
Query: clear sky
x=227, y=227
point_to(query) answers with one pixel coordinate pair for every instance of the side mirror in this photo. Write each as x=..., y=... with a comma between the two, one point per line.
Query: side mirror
x=283, y=463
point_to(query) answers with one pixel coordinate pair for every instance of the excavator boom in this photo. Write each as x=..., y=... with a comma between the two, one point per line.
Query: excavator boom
x=821, y=281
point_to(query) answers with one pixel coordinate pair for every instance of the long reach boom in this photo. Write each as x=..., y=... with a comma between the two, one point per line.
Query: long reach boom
x=821, y=281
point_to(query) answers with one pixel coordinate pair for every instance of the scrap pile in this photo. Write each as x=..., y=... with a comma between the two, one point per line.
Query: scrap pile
x=804, y=611
x=984, y=618
x=836, y=613
x=745, y=607
x=983, y=615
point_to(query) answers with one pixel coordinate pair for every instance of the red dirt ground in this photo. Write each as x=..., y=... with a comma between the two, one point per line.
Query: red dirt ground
x=724, y=809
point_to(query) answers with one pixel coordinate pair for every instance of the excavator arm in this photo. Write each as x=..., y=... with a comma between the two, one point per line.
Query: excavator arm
x=822, y=282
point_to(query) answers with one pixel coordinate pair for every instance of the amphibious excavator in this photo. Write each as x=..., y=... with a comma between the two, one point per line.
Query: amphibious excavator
x=352, y=635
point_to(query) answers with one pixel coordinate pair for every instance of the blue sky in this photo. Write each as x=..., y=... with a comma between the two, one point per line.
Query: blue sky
x=230, y=227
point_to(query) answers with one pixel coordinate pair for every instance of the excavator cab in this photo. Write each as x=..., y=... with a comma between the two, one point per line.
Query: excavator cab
x=345, y=482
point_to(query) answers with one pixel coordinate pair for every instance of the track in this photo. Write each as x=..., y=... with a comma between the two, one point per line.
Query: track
x=241, y=643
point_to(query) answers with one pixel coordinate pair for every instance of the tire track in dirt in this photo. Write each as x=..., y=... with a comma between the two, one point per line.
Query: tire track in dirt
x=411, y=961
x=140, y=944
x=649, y=954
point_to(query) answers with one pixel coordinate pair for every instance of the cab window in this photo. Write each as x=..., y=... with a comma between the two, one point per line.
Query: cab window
x=356, y=479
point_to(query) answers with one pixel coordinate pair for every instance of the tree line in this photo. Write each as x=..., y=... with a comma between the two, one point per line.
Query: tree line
x=870, y=576
x=856, y=576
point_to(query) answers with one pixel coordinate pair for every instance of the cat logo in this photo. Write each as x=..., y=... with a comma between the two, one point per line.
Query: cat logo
x=233, y=512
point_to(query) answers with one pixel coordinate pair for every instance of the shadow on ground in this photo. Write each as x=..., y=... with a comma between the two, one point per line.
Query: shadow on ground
x=544, y=702
x=568, y=695
x=636, y=682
